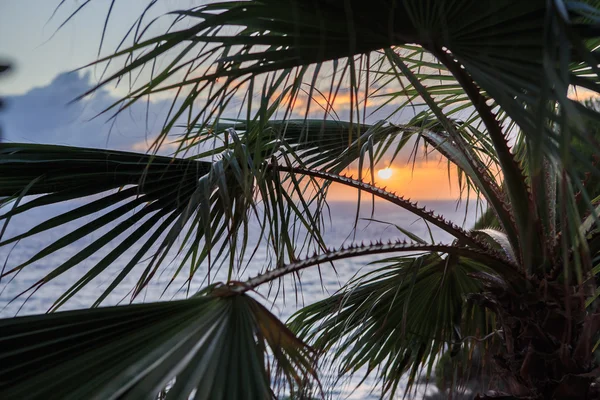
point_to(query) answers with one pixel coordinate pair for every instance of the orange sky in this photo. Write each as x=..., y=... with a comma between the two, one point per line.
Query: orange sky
x=427, y=181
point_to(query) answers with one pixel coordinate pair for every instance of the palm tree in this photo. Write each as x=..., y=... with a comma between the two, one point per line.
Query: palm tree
x=520, y=287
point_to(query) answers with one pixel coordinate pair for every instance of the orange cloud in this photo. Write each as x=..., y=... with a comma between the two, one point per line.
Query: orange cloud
x=322, y=100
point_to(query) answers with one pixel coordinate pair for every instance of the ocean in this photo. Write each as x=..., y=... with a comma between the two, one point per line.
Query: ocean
x=283, y=299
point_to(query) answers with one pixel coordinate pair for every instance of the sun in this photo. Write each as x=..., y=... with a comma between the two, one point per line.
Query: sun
x=385, y=173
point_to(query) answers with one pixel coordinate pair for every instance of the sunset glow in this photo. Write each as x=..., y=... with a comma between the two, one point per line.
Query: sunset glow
x=385, y=173
x=425, y=181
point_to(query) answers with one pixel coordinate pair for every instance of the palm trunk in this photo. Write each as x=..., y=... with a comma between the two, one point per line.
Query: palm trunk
x=547, y=351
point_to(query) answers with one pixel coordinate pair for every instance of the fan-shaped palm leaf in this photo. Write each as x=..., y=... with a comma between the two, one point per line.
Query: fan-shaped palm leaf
x=162, y=194
x=397, y=318
x=132, y=352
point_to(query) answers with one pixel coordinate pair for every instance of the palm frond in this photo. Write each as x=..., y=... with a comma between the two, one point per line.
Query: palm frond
x=62, y=168
x=135, y=351
x=311, y=143
x=396, y=319
x=164, y=195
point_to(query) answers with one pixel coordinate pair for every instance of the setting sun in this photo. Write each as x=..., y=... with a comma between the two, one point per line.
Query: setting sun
x=385, y=173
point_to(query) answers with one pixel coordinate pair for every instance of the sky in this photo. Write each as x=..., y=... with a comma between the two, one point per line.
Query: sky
x=39, y=50
x=39, y=90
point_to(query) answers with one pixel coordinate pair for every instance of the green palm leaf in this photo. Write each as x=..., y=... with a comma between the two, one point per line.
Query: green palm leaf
x=164, y=194
x=134, y=351
x=395, y=319
x=324, y=144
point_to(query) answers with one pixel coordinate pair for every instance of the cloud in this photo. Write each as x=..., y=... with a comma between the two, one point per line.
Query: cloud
x=48, y=115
